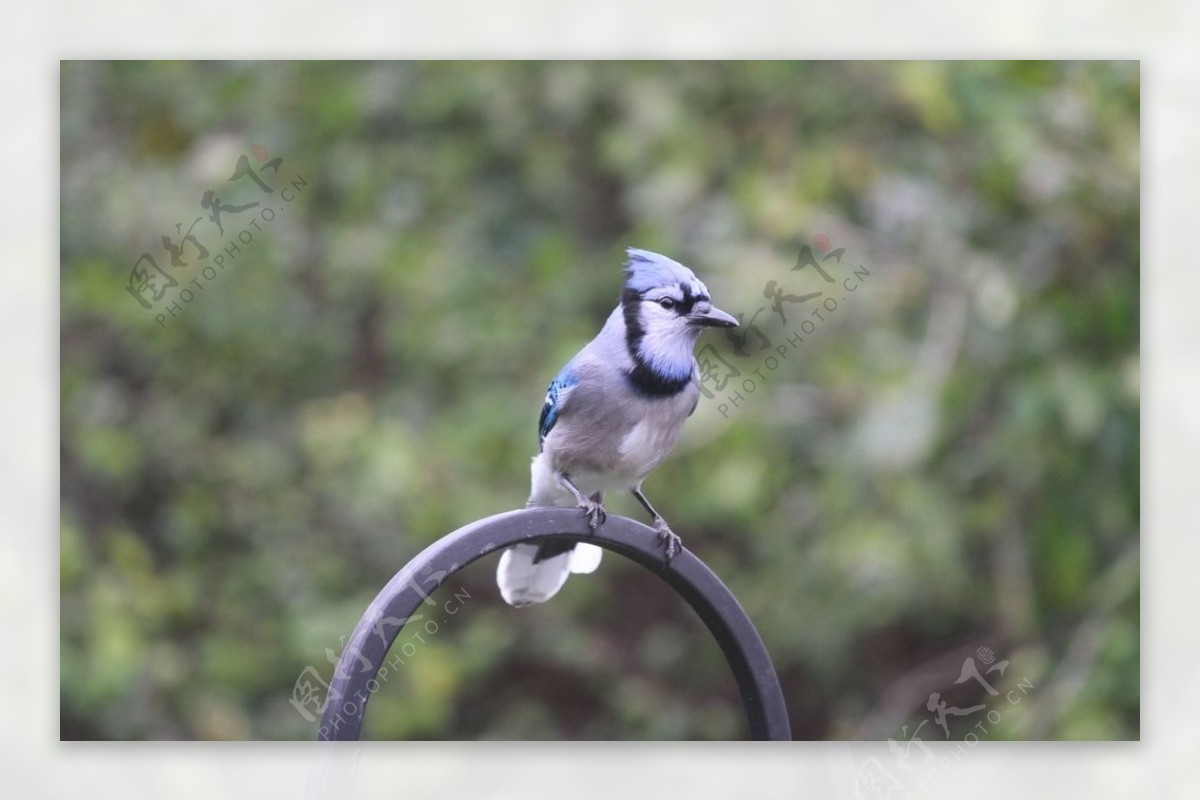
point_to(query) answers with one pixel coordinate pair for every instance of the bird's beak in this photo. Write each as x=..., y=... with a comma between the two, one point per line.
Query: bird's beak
x=714, y=318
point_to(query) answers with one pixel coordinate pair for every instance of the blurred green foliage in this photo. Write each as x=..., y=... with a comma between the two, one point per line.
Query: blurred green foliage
x=948, y=462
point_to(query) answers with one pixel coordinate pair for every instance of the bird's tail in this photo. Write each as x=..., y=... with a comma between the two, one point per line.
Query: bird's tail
x=533, y=573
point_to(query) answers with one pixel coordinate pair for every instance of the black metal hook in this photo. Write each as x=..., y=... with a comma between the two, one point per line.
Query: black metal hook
x=403, y=596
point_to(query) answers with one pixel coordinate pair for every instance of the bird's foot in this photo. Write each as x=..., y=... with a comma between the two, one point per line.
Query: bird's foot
x=593, y=511
x=668, y=539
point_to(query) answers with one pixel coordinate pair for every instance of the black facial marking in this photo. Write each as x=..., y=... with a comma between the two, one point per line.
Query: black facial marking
x=648, y=382
x=642, y=377
x=633, y=326
x=688, y=299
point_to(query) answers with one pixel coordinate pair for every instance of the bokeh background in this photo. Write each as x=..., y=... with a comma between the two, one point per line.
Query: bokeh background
x=948, y=462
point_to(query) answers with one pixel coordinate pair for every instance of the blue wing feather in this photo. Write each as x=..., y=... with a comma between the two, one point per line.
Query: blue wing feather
x=556, y=396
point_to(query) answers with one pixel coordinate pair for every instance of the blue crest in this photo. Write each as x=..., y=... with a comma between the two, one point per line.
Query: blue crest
x=646, y=270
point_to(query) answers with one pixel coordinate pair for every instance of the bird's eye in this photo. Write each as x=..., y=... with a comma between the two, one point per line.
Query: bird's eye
x=667, y=303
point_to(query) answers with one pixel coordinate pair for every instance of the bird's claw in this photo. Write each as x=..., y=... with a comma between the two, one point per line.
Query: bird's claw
x=668, y=539
x=594, y=513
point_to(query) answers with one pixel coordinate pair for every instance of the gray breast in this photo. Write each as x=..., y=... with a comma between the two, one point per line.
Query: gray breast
x=606, y=428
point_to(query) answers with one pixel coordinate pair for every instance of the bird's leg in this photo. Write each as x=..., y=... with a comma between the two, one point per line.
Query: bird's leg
x=667, y=538
x=598, y=499
x=590, y=506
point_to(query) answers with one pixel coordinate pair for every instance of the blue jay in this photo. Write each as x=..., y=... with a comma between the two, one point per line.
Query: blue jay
x=611, y=416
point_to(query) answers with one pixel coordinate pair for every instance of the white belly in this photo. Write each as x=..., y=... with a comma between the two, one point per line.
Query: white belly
x=643, y=449
x=642, y=434
x=546, y=491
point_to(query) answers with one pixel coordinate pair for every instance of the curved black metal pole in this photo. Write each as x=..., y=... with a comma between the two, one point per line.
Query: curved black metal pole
x=402, y=598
